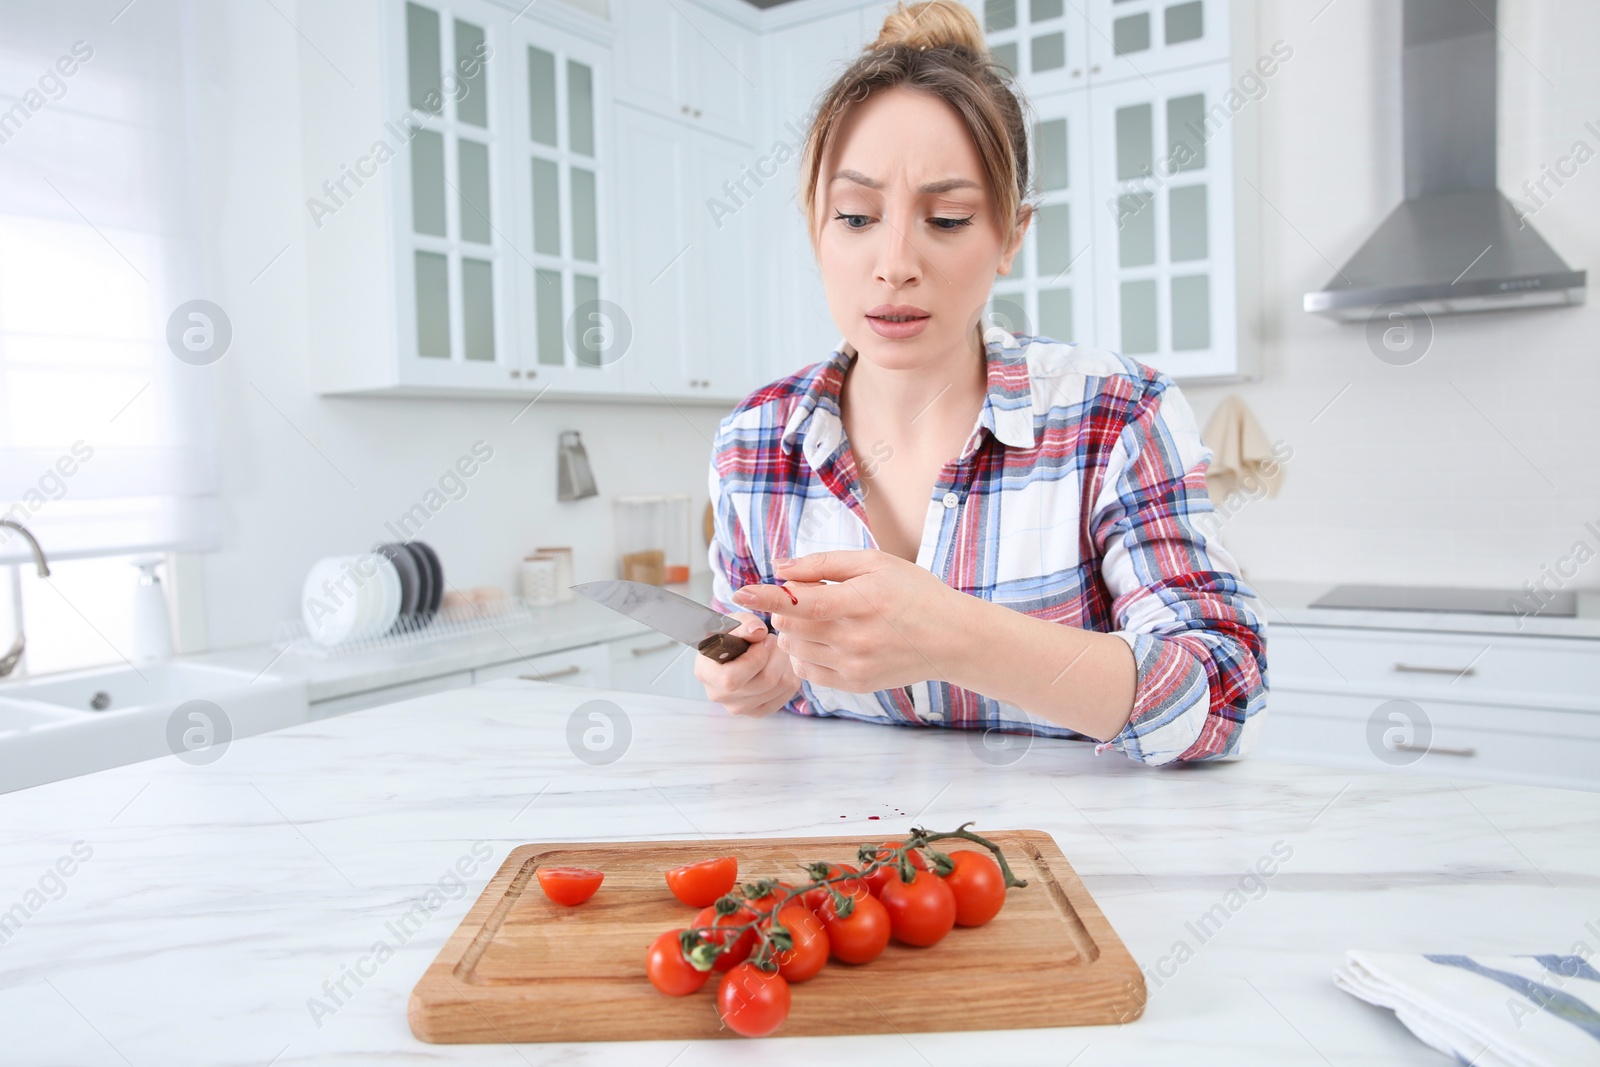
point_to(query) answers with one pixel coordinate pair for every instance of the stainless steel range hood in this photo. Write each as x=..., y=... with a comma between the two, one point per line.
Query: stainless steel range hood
x=1455, y=244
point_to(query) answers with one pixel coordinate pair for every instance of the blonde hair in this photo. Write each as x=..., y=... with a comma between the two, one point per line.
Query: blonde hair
x=937, y=48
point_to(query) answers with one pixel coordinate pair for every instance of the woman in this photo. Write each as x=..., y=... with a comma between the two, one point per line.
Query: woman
x=990, y=531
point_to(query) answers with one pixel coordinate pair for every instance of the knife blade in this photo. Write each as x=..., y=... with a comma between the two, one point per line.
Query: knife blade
x=685, y=621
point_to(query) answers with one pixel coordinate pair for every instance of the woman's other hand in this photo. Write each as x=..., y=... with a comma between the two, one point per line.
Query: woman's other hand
x=864, y=620
x=759, y=682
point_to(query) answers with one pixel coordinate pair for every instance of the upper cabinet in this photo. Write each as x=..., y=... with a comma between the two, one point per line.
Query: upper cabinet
x=500, y=239
x=1043, y=42
x=509, y=200
x=1141, y=243
x=1133, y=38
x=461, y=244
x=689, y=64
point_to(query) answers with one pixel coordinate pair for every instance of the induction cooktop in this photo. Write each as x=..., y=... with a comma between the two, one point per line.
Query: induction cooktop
x=1449, y=598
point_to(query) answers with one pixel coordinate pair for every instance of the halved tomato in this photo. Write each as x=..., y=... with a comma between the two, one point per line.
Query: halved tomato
x=569, y=885
x=699, y=884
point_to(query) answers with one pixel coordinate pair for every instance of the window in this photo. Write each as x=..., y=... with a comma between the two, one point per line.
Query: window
x=108, y=347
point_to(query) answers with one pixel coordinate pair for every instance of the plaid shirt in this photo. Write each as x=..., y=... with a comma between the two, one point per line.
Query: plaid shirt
x=1075, y=500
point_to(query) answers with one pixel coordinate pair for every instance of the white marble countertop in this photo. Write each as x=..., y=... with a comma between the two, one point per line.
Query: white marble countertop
x=559, y=626
x=582, y=622
x=208, y=904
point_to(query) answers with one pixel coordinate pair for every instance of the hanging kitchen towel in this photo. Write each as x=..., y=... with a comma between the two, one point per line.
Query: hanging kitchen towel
x=1492, y=1011
x=1242, y=457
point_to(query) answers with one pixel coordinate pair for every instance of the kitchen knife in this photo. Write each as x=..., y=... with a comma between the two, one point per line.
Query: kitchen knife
x=666, y=612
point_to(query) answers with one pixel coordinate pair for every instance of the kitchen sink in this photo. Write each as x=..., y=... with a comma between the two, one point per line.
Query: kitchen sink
x=60, y=726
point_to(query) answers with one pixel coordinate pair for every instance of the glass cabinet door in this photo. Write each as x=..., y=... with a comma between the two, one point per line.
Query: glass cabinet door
x=574, y=336
x=455, y=264
x=1164, y=227
x=1043, y=42
x=1050, y=290
x=1138, y=38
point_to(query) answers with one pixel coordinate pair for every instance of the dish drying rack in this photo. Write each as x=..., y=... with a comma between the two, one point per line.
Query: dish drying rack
x=462, y=620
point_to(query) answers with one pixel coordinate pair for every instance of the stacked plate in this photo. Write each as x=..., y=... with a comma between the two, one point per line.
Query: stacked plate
x=353, y=598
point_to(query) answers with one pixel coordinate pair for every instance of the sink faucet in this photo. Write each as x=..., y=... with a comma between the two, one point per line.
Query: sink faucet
x=8, y=662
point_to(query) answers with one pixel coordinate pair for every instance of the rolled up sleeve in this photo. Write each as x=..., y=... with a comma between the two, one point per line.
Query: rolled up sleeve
x=1199, y=644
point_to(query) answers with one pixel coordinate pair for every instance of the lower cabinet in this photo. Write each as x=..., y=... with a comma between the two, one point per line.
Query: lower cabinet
x=586, y=666
x=372, y=698
x=1462, y=705
x=651, y=663
x=642, y=663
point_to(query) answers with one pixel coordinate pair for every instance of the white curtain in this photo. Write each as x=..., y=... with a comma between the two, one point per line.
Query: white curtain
x=106, y=435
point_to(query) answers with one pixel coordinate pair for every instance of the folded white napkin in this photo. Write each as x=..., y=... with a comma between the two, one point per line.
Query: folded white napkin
x=1490, y=1011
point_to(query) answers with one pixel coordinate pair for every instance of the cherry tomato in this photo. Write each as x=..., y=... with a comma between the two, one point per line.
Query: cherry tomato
x=699, y=884
x=850, y=887
x=810, y=950
x=569, y=885
x=668, y=970
x=741, y=948
x=765, y=904
x=878, y=878
x=753, y=1002
x=978, y=885
x=859, y=937
x=922, y=910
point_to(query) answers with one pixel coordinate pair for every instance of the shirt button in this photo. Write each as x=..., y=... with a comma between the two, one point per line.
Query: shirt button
x=951, y=500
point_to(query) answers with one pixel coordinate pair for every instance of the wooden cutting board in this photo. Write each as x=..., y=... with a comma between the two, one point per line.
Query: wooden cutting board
x=521, y=968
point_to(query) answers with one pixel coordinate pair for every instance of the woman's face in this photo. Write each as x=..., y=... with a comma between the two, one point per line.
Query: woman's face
x=908, y=228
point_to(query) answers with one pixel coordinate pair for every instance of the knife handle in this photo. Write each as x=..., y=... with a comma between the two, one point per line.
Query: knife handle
x=723, y=648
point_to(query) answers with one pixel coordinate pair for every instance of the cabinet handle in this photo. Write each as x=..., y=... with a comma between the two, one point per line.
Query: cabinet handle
x=662, y=647
x=1406, y=746
x=696, y=112
x=1095, y=69
x=562, y=673
x=1077, y=72
x=516, y=374
x=685, y=108
x=1419, y=668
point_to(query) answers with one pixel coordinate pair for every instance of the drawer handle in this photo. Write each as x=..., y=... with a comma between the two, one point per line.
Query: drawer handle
x=1405, y=746
x=645, y=651
x=1418, y=668
x=562, y=673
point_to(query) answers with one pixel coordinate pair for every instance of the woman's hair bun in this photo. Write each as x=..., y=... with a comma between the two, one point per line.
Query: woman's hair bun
x=933, y=24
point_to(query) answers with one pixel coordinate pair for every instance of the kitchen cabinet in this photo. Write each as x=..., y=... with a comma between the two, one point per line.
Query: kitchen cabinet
x=1050, y=291
x=1513, y=708
x=586, y=665
x=461, y=243
x=372, y=698
x=1045, y=43
x=1164, y=237
x=1142, y=244
x=798, y=62
x=688, y=64
x=651, y=663
x=687, y=282
x=1135, y=38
